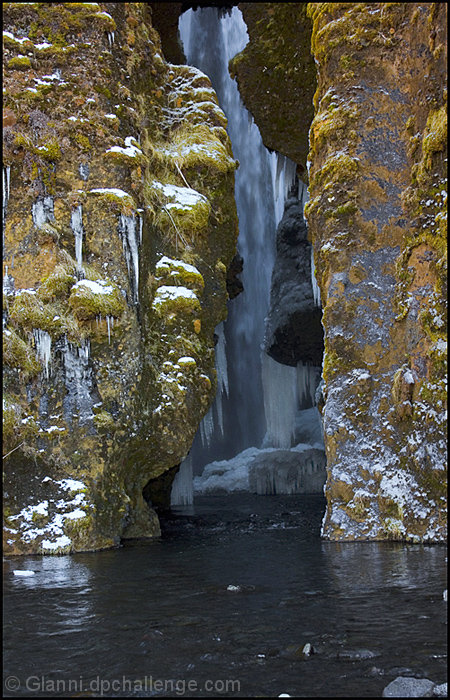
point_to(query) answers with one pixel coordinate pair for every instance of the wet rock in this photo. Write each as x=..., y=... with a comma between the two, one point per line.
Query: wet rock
x=294, y=331
x=403, y=687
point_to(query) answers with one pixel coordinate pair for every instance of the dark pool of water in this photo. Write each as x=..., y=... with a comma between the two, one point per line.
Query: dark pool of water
x=222, y=605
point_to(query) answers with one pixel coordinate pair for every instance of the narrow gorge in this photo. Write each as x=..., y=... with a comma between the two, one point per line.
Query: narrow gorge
x=224, y=265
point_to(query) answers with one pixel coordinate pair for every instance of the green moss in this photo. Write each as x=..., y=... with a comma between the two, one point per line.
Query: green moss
x=20, y=62
x=122, y=202
x=87, y=304
x=17, y=354
x=82, y=141
x=168, y=302
x=104, y=422
x=435, y=136
x=180, y=222
x=57, y=285
x=393, y=529
x=174, y=272
x=28, y=312
x=49, y=151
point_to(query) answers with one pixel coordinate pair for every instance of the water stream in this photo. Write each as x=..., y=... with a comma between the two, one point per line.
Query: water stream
x=232, y=591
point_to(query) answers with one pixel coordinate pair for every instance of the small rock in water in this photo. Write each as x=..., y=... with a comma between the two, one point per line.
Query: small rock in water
x=23, y=572
x=403, y=687
x=307, y=649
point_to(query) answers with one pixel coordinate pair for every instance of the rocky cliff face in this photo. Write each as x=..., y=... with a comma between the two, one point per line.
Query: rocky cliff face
x=119, y=227
x=376, y=217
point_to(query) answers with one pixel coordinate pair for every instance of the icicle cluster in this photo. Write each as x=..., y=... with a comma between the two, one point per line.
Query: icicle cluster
x=315, y=286
x=287, y=390
x=78, y=381
x=182, y=493
x=43, y=343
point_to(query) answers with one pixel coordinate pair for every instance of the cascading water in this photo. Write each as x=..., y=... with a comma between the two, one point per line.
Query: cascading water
x=258, y=400
x=237, y=419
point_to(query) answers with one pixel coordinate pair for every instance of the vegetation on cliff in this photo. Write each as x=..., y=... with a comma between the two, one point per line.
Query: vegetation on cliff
x=118, y=177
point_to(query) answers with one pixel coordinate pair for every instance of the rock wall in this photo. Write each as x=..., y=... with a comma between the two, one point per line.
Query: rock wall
x=119, y=228
x=377, y=221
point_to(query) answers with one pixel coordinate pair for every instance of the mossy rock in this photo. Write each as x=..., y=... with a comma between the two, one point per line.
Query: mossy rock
x=57, y=285
x=28, y=312
x=19, y=355
x=89, y=299
x=199, y=145
x=181, y=212
x=177, y=272
x=19, y=62
x=169, y=300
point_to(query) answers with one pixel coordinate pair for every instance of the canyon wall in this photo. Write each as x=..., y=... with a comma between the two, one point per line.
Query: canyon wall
x=377, y=221
x=119, y=228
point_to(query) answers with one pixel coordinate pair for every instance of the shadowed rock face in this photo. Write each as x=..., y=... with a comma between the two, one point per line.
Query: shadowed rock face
x=294, y=331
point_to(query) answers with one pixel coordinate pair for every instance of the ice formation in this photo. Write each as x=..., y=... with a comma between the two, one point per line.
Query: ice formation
x=76, y=222
x=315, y=286
x=182, y=493
x=43, y=344
x=127, y=229
x=78, y=401
x=42, y=211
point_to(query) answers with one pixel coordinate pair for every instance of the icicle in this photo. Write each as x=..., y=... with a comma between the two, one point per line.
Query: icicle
x=280, y=401
x=315, y=286
x=182, y=493
x=127, y=228
x=141, y=222
x=43, y=343
x=110, y=38
x=42, y=211
x=308, y=378
x=108, y=323
x=8, y=282
x=207, y=428
x=6, y=186
x=76, y=223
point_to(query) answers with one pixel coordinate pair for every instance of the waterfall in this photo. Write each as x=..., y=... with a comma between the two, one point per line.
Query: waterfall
x=237, y=421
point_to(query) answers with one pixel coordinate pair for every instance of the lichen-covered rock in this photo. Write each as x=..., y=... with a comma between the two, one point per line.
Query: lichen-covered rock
x=377, y=220
x=119, y=227
x=376, y=213
x=276, y=75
